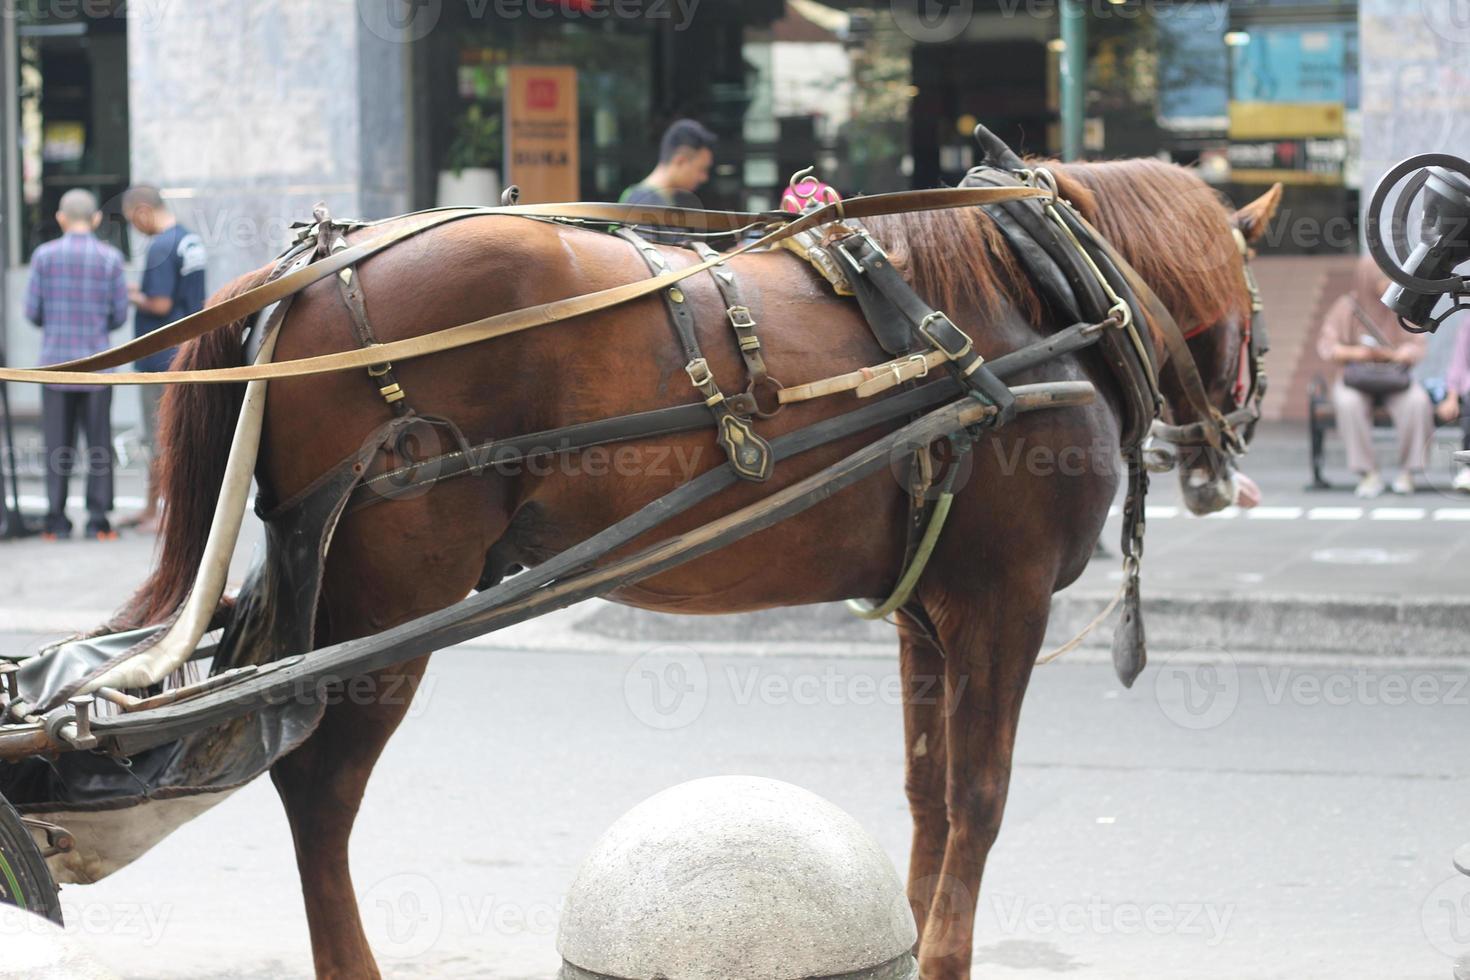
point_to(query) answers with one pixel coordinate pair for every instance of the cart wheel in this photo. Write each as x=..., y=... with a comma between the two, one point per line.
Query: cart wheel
x=25, y=881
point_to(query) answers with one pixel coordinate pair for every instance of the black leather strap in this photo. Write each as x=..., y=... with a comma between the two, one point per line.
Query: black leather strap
x=881, y=291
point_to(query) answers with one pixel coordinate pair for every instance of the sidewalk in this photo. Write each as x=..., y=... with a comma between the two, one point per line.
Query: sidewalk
x=1313, y=572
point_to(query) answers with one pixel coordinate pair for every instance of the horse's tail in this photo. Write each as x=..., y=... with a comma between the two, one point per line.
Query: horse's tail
x=196, y=423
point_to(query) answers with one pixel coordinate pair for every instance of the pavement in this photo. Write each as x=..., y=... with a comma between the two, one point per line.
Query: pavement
x=1224, y=820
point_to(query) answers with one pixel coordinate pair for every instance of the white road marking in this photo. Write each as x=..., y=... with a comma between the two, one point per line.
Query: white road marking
x=1335, y=514
x=1275, y=513
x=30, y=501
x=1164, y=512
x=1397, y=514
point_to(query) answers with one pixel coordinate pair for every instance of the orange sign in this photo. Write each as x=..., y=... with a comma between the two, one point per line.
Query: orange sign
x=541, y=133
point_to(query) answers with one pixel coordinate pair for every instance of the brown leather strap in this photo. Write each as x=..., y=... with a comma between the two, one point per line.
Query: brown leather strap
x=84, y=371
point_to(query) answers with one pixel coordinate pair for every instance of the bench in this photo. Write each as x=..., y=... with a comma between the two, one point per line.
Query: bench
x=1321, y=417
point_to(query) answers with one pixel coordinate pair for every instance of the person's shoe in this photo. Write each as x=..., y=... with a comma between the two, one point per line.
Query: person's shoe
x=1370, y=486
x=1403, y=484
x=1462, y=480
x=56, y=530
x=100, y=530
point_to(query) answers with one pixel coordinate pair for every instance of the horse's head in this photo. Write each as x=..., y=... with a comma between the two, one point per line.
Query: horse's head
x=1227, y=350
x=1193, y=253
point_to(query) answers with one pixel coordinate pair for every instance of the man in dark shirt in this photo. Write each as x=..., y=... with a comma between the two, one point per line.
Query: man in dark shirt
x=172, y=287
x=685, y=155
x=77, y=294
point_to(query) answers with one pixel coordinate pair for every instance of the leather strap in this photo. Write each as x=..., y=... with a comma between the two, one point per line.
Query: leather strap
x=87, y=370
x=742, y=322
x=349, y=285
x=749, y=454
x=883, y=292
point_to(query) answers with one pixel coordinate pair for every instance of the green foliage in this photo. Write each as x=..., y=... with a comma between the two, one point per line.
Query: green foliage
x=477, y=140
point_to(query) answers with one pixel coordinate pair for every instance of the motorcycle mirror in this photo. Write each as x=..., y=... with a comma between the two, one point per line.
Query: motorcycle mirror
x=1421, y=275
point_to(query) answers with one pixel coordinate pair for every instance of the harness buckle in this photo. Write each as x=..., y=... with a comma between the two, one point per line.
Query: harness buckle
x=699, y=372
x=956, y=343
x=869, y=241
x=740, y=318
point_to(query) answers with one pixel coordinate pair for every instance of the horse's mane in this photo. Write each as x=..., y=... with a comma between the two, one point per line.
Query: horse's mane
x=1168, y=223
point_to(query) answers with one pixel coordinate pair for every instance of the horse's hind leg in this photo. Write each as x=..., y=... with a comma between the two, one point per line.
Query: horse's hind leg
x=321, y=785
x=922, y=666
x=990, y=641
x=386, y=567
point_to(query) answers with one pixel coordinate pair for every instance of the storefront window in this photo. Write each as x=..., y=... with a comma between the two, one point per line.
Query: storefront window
x=71, y=113
x=468, y=70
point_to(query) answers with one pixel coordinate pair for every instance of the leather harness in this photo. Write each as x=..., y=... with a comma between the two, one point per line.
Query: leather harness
x=1070, y=264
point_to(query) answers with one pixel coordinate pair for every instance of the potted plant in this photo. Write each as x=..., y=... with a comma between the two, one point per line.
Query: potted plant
x=470, y=178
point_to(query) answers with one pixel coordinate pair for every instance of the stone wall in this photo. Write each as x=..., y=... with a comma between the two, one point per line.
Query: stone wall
x=246, y=115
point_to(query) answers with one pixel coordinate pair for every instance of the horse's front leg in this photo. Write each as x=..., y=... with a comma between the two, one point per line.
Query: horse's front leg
x=990, y=645
x=922, y=665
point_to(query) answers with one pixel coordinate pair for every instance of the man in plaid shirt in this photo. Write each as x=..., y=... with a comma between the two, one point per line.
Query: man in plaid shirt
x=77, y=294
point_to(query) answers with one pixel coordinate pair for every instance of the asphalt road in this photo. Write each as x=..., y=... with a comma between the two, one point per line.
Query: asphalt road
x=1222, y=820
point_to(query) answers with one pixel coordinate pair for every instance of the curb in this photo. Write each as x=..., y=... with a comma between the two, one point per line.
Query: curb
x=1399, y=627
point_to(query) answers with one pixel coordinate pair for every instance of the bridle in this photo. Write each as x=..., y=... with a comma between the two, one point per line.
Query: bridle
x=1231, y=430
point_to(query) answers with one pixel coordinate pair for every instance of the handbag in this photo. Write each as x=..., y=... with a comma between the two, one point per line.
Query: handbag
x=1376, y=378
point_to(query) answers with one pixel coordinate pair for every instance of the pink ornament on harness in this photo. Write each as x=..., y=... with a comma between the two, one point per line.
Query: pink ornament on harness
x=809, y=192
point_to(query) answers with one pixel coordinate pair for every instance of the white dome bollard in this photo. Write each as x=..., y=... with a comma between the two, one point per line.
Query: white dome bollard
x=736, y=878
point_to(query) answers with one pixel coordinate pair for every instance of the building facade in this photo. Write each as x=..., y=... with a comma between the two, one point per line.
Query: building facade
x=248, y=114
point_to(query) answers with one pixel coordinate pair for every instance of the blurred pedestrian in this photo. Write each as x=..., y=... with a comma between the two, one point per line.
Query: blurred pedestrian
x=77, y=294
x=1457, y=394
x=172, y=287
x=685, y=155
x=1376, y=358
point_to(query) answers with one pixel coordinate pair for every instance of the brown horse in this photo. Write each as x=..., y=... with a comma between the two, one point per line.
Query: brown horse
x=1017, y=532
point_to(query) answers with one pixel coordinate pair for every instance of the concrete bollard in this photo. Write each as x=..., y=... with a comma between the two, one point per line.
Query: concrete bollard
x=736, y=878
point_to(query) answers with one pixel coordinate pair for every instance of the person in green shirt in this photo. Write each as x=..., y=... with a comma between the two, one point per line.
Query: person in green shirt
x=685, y=156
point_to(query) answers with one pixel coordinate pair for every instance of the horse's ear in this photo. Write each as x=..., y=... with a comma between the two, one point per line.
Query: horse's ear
x=1255, y=216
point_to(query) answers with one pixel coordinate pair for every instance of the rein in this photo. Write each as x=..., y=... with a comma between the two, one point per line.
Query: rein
x=87, y=370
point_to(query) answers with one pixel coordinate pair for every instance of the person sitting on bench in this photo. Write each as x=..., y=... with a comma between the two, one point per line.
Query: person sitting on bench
x=1456, y=394
x=1375, y=358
